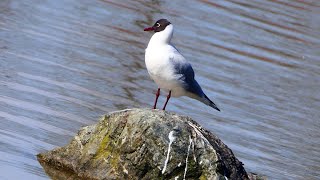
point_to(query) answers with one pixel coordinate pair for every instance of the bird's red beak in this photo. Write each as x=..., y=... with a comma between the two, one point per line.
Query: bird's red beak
x=149, y=29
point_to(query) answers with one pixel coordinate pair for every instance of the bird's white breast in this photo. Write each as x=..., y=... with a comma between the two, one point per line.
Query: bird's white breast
x=160, y=66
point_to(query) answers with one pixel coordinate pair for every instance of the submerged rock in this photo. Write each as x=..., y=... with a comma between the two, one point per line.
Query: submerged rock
x=143, y=144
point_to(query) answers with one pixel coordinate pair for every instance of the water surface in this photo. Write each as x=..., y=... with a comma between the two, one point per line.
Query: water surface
x=63, y=64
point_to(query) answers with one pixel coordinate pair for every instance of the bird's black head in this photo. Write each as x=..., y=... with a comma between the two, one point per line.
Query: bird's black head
x=160, y=25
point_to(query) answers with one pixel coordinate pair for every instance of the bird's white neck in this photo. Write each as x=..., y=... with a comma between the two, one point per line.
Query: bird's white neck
x=162, y=37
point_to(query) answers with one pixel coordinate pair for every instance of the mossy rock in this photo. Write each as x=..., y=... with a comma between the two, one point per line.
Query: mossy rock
x=143, y=144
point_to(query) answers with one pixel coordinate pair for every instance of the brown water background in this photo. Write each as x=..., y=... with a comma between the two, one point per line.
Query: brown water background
x=64, y=63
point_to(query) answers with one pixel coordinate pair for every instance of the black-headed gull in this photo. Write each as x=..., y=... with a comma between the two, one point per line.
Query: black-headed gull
x=169, y=69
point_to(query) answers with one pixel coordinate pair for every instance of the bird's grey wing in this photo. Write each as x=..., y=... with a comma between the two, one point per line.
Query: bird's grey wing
x=186, y=77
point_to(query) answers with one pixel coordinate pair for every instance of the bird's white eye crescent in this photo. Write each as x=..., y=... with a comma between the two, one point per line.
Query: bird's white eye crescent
x=158, y=24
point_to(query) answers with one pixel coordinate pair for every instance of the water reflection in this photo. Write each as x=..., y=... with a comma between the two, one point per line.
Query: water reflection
x=65, y=63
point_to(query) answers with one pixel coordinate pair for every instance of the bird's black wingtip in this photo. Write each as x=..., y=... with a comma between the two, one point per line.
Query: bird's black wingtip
x=212, y=104
x=216, y=108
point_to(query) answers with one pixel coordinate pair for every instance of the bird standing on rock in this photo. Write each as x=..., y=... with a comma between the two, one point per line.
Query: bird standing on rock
x=169, y=69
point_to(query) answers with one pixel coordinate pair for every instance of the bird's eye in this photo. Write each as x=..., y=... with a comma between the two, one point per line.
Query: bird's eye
x=158, y=25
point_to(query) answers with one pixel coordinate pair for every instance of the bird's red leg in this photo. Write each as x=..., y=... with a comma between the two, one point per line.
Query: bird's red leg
x=157, y=96
x=168, y=97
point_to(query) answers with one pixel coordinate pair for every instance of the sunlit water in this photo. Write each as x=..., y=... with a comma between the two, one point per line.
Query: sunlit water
x=64, y=63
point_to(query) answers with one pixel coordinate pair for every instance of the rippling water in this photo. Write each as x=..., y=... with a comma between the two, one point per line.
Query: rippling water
x=65, y=63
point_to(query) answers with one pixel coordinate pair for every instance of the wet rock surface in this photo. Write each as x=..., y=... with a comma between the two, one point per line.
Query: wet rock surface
x=143, y=144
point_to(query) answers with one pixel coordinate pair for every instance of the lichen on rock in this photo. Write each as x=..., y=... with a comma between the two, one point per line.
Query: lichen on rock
x=143, y=144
